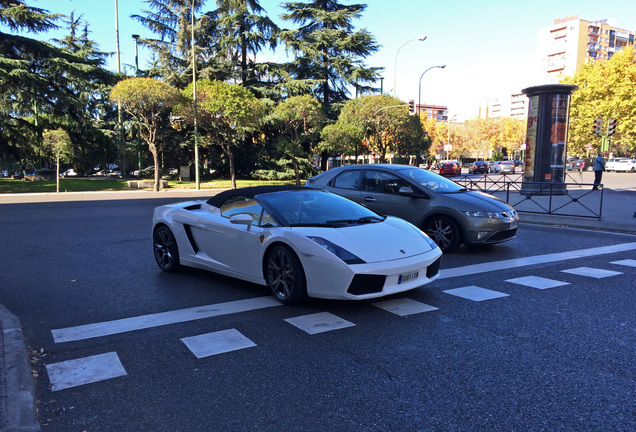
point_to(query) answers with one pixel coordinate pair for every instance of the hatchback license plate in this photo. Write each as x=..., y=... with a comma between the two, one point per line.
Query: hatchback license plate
x=407, y=277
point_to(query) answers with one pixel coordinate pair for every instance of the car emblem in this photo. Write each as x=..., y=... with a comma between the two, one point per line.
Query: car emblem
x=402, y=250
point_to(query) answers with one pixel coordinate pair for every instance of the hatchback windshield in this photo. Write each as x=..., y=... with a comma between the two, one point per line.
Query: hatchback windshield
x=317, y=208
x=430, y=181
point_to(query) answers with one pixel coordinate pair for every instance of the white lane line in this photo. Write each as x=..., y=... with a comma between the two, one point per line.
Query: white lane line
x=87, y=370
x=538, y=259
x=319, y=323
x=159, y=319
x=592, y=272
x=475, y=293
x=219, y=342
x=537, y=282
x=404, y=306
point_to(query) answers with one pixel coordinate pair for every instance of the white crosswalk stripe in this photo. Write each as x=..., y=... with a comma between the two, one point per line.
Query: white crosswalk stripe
x=475, y=293
x=219, y=342
x=319, y=323
x=537, y=282
x=404, y=306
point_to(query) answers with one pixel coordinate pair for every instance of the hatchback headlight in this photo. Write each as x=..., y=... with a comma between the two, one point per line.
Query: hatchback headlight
x=338, y=251
x=491, y=215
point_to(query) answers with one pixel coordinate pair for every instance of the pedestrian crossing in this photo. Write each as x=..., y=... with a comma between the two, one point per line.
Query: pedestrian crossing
x=87, y=370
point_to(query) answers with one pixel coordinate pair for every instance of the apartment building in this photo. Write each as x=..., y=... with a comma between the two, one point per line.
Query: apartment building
x=437, y=112
x=514, y=106
x=570, y=42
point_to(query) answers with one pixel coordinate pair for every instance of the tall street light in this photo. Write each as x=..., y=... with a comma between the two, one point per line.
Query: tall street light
x=136, y=38
x=194, y=97
x=122, y=145
x=419, y=38
x=419, y=96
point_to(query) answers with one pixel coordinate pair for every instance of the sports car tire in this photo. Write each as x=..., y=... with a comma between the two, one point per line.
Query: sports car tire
x=444, y=231
x=285, y=276
x=165, y=249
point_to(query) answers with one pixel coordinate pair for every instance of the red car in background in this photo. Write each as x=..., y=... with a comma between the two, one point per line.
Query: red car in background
x=450, y=168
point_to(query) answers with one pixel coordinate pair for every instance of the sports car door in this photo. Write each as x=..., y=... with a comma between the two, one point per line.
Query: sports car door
x=229, y=246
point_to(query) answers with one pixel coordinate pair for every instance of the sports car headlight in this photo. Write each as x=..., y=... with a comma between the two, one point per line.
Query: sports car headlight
x=487, y=214
x=341, y=253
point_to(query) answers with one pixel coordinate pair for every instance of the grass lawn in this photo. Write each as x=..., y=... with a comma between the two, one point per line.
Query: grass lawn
x=87, y=184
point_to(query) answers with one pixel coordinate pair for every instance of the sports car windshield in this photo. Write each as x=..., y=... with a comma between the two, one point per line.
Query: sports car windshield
x=317, y=208
x=431, y=181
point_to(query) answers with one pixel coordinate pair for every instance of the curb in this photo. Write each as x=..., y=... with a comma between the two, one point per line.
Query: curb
x=18, y=398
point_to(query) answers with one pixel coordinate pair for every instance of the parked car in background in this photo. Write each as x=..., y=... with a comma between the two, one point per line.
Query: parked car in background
x=518, y=163
x=625, y=165
x=69, y=173
x=611, y=163
x=450, y=168
x=494, y=168
x=449, y=213
x=507, y=167
x=584, y=165
x=479, y=167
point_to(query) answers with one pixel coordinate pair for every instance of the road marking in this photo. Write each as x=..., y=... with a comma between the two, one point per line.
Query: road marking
x=159, y=319
x=319, y=323
x=219, y=342
x=404, y=306
x=592, y=272
x=627, y=262
x=89, y=331
x=87, y=370
x=475, y=293
x=537, y=282
x=538, y=259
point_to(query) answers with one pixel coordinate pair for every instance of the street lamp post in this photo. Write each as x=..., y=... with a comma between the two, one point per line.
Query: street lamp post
x=122, y=145
x=194, y=97
x=136, y=38
x=419, y=96
x=419, y=38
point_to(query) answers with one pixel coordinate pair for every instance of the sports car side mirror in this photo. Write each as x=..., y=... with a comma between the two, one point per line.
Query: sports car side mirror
x=242, y=219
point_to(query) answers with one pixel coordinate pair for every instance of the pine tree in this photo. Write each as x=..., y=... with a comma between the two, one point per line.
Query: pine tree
x=329, y=50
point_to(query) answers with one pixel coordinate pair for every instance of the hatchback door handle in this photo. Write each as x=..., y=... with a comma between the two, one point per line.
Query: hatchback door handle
x=369, y=199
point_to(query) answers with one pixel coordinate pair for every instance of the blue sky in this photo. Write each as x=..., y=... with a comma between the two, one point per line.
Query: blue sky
x=489, y=47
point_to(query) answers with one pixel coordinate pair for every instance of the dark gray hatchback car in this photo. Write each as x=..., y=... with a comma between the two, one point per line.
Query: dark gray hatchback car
x=448, y=213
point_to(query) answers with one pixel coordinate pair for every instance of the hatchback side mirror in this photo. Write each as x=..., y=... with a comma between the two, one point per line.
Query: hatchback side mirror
x=406, y=191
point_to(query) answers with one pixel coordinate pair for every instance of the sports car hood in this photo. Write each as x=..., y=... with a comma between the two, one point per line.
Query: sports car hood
x=375, y=242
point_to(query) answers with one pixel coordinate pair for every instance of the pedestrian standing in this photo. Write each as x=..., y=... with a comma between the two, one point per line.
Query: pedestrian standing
x=599, y=167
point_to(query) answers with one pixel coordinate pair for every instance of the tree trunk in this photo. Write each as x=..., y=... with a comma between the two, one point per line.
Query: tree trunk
x=297, y=170
x=155, y=155
x=230, y=156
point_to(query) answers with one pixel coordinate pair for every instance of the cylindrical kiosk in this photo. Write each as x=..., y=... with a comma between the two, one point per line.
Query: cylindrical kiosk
x=546, y=138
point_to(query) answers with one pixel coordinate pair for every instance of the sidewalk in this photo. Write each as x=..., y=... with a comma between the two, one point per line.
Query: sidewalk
x=17, y=399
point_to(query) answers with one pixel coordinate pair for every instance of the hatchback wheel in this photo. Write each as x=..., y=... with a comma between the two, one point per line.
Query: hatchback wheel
x=443, y=231
x=285, y=276
x=165, y=249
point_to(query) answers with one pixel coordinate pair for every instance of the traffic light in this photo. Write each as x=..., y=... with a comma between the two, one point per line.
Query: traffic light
x=412, y=107
x=597, y=127
x=611, y=126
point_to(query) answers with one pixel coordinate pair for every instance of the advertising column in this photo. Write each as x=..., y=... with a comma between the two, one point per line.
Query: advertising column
x=546, y=138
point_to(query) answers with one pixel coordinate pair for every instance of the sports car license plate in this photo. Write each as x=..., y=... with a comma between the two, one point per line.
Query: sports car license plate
x=407, y=277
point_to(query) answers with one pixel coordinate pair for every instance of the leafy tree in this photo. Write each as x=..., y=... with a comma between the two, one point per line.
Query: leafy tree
x=171, y=22
x=227, y=113
x=328, y=49
x=342, y=138
x=300, y=117
x=150, y=101
x=59, y=143
x=385, y=124
x=607, y=90
x=41, y=84
x=242, y=29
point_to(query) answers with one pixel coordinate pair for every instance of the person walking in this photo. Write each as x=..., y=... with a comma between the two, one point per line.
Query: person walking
x=599, y=167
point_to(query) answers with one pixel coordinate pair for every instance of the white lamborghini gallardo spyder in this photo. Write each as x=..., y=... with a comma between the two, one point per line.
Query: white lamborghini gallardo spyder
x=300, y=242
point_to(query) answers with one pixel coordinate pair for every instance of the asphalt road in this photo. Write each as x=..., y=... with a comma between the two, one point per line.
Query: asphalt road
x=559, y=358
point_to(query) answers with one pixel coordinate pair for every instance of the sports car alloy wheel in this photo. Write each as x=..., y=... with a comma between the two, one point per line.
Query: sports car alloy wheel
x=285, y=275
x=166, y=250
x=444, y=232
